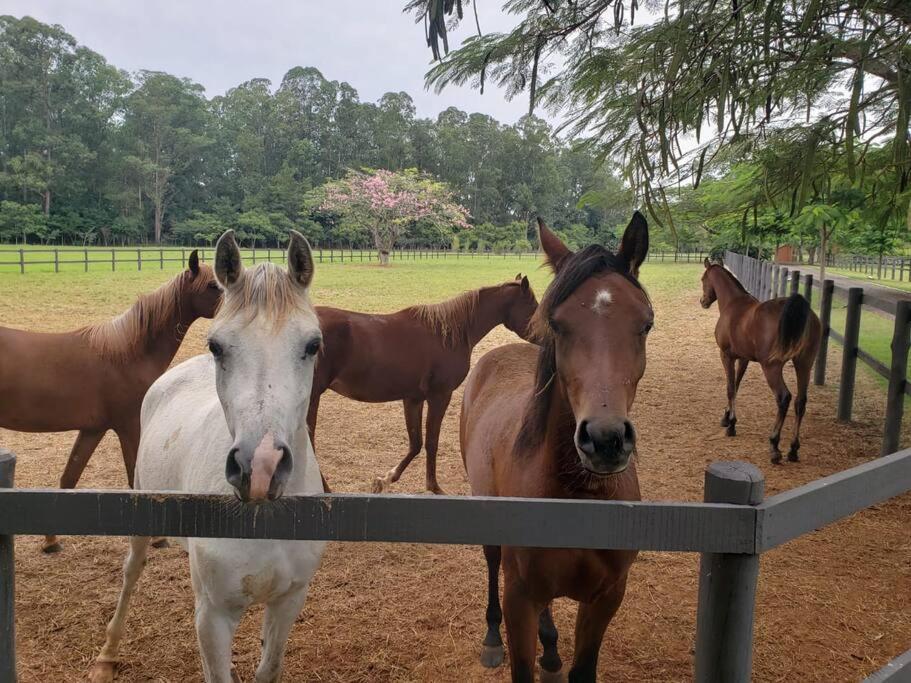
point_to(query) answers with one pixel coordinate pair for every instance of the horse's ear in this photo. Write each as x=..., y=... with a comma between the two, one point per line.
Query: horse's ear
x=193, y=263
x=554, y=249
x=300, y=260
x=229, y=267
x=634, y=245
x=706, y=262
x=518, y=276
x=524, y=284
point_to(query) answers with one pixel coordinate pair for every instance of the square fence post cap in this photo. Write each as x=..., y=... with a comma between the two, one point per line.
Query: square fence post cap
x=737, y=483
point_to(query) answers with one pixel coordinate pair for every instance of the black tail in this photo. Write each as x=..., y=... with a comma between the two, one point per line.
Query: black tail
x=791, y=327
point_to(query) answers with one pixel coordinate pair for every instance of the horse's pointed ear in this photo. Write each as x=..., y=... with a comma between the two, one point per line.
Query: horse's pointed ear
x=518, y=276
x=193, y=263
x=634, y=245
x=300, y=260
x=706, y=262
x=554, y=249
x=229, y=267
x=524, y=284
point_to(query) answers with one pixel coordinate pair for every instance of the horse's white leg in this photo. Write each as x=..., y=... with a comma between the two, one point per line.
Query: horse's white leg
x=103, y=669
x=277, y=622
x=215, y=626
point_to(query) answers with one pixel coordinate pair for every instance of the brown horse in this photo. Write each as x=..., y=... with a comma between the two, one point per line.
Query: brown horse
x=417, y=355
x=94, y=379
x=769, y=332
x=553, y=422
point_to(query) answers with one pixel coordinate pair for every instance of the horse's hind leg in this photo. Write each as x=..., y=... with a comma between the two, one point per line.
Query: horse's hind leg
x=591, y=623
x=436, y=411
x=277, y=622
x=773, y=376
x=103, y=669
x=729, y=419
x=803, y=367
x=492, y=651
x=414, y=411
x=85, y=445
x=551, y=664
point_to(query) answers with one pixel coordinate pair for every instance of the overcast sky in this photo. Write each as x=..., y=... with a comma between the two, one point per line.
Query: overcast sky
x=370, y=44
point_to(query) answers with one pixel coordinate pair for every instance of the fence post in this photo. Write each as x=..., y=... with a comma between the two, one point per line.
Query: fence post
x=808, y=287
x=825, y=318
x=139, y=259
x=22, y=261
x=727, y=585
x=56, y=260
x=849, y=356
x=161, y=259
x=86, y=254
x=113, y=261
x=773, y=284
x=895, y=403
x=782, y=282
x=7, y=582
x=795, y=282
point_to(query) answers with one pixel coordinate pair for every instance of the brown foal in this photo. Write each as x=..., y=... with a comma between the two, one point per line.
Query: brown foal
x=553, y=422
x=418, y=355
x=94, y=379
x=769, y=332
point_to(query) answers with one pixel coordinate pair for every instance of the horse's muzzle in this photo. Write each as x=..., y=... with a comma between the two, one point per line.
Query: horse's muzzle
x=605, y=447
x=260, y=473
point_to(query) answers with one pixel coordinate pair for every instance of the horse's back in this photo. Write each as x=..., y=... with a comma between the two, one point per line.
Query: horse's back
x=496, y=393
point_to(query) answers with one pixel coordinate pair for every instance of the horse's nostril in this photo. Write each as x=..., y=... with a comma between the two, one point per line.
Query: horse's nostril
x=629, y=434
x=233, y=471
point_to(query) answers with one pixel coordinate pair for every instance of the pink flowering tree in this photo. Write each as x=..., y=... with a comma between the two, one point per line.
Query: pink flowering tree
x=386, y=204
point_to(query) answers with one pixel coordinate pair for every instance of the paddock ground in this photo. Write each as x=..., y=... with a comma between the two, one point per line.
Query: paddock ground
x=832, y=606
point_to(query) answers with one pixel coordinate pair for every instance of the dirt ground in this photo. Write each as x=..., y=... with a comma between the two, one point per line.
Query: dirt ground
x=833, y=606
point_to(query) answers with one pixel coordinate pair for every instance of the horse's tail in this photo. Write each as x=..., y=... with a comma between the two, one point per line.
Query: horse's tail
x=792, y=328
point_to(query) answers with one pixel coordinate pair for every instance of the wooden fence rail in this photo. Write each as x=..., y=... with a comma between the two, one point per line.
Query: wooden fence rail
x=895, y=373
x=731, y=529
x=132, y=257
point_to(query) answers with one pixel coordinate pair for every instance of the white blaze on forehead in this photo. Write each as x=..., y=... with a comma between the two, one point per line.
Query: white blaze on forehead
x=603, y=298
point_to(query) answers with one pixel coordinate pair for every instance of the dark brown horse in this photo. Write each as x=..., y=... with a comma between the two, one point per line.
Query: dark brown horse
x=417, y=355
x=553, y=422
x=94, y=379
x=769, y=332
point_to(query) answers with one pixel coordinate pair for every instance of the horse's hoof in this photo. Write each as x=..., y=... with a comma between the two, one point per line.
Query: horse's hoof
x=492, y=656
x=725, y=420
x=102, y=672
x=379, y=485
x=776, y=458
x=51, y=548
x=436, y=490
x=161, y=543
x=731, y=430
x=546, y=676
x=793, y=456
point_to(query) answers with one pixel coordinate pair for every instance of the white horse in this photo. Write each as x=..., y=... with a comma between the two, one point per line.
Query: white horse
x=234, y=421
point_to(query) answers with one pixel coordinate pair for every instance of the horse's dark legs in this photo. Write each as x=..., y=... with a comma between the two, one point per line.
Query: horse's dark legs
x=773, y=376
x=312, y=412
x=729, y=419
x=492, y=650
x=731, y=412
x=803, y=367
x=414, y=410
x=521, y=619
x=85, y=445
x=436, y=411
x=551, y=664
x=591, y=623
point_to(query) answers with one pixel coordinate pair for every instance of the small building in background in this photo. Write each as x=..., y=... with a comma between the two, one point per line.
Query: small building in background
x=785, y=254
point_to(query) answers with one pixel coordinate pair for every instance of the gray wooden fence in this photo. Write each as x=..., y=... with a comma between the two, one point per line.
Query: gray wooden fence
x=731, y=529
x=766, y=280
x=136, y=258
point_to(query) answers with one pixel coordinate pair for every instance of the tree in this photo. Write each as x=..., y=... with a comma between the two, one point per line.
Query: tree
x=387, y=203
x=20, y=220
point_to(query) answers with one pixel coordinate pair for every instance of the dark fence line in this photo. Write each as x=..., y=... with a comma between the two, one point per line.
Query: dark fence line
x=730, y=530
x=885, y=267
x=138, y=257
x=766, y=280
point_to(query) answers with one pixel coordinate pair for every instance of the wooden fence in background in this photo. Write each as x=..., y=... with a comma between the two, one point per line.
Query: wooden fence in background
x=137, y=258
x=731, y=529
x=766, y=280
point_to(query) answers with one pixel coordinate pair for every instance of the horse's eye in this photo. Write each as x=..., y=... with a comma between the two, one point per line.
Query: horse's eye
x=313, y=347
x=214, y=285
x=647, y=328
x=215, y=348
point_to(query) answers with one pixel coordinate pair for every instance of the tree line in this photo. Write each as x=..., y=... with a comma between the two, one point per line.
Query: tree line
x=92, y=154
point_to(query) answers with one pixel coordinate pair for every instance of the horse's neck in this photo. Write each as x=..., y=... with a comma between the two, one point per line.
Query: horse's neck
x=559, y=437
x=726, y=290
x=161, y=347
x=490, y=311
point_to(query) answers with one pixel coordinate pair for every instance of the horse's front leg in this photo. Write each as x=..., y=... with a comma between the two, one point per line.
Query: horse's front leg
x=521, y=614
x=277, y=622
x=591, y=623
x=414, y=411
x=436, y=411
x=215, y=627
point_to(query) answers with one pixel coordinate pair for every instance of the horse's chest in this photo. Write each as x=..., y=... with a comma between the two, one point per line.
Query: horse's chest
x=581, y=575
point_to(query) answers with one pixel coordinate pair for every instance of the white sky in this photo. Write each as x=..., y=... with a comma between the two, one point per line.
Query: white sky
x=370, y=44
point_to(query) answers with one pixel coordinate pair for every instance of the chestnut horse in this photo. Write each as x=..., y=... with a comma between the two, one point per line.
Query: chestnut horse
x=769, y=332
x=417, y=355
x=93, y=379
x=553, y=422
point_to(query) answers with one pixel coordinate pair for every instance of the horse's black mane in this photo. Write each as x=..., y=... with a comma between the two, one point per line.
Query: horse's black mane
x=574, y=270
